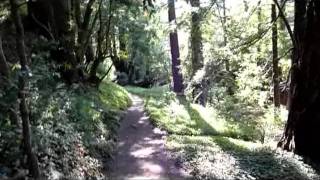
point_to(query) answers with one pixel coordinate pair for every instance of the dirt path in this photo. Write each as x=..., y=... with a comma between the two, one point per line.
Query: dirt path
x=141, y=152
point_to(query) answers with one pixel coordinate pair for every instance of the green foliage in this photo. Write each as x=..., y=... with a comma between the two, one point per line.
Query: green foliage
x=116, y=97
x=243, y=43
x=73, y=126
x=177, y=116
x=144, y=38
x=4, y=13
x=77, y=126
x=210, y=140
x=226, y=158
x=147, y=93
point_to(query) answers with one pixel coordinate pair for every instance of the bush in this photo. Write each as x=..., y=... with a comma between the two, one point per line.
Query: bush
x=73, y=126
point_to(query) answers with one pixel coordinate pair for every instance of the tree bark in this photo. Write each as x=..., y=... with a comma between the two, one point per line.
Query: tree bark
x=275, y=60
x=230, y=85
x=77, y=12
x=23, y=88
x=84, y=31
x=196, y=38
x=282, y=24
x=302, y=128
x=259, y=14
x=224, y=21
x=101, y=36
x=175, y=53
x=4, y=68
x=199, y=93
x=99, y=54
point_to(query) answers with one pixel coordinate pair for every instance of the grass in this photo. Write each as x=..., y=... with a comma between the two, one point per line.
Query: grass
x=213, y=146
x=217, y=157
x=157, y=92
x=97, y=111
x=114, y=96
x=177, y=116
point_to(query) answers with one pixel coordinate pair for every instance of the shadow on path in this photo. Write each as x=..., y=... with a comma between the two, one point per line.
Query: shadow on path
x=141, y=152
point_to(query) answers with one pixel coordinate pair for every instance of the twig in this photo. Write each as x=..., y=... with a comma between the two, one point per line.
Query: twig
x=42, y=26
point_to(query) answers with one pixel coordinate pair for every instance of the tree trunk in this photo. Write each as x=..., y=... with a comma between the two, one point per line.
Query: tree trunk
x=196, y=38
x=230, y=85
x=89, y=53
x=225, y=32
x=119, y=62
x=175, y=53
x=4, y=68
x=302, y=128
x=282, y=24
x=84, y=31
x=197, y=55
x=99, y=54
x=23, y=88
x=77, y=12
x=103, y=35
x=275, y=60
x=259, y=14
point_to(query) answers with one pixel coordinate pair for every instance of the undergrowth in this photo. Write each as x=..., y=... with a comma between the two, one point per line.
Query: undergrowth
x=178, y=116
x=217, y=157
x=224, y=142
x=73, y=127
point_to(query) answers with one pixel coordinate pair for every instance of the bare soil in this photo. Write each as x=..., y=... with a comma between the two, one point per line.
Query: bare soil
x=141, y=151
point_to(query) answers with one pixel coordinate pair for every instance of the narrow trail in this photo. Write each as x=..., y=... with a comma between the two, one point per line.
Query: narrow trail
x=141, y=152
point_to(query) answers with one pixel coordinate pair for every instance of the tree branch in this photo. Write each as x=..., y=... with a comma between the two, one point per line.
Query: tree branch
x=286, y=22
x=43, y=26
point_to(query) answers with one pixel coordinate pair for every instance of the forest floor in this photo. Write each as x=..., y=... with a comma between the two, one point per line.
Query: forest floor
x=205, y=144
x=141, y=151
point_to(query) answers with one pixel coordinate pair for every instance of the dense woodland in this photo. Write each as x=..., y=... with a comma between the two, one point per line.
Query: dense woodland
x=230, y=81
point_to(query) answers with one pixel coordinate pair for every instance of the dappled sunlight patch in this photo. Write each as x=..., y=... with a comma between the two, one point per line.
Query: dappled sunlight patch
x=211, y=118
x=155, y=142
x=236, y=144
x=227, y=158
x=233, y=140
x=177, y=110
x=158, y=131
x=206, y=113
x=153, y=92
x=173, y=117
x=150, y=168
x=143, y=152
x=177, y=116
x=114, y=96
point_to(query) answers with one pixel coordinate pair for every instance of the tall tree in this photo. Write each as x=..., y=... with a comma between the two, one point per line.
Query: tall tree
x=84, y=28
x=102, y=34
x=302, y=128
x=196, y=37
x=259, y=14
x=230, y=90
x=23, y=88
x=224, y=22
x=275, y=60
x=199, y=94
x=175, y=53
